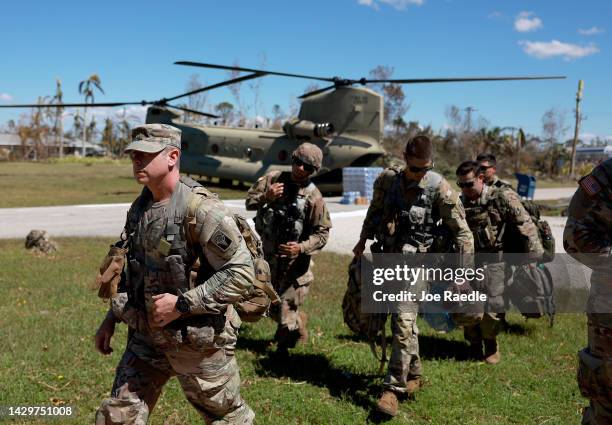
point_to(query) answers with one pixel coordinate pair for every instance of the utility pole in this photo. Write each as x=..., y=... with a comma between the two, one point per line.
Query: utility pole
x=59, y=123
x=469, y=111
x=576, y=127
x=520, y=144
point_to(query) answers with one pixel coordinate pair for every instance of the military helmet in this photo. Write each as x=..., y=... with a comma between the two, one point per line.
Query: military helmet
x=309, y=154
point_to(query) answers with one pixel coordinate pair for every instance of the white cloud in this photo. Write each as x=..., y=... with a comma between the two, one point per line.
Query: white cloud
x=5, y=97
x=549, y=49
x=133, y=113
x=526, y=22
x=495, y=14
x=396, y=4
x=591, y=31
x=590, y=137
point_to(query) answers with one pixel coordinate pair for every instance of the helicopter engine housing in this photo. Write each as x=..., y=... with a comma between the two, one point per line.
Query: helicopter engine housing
x=305, y=130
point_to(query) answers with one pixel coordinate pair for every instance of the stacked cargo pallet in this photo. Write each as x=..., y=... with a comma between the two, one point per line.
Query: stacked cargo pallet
x=358, y=184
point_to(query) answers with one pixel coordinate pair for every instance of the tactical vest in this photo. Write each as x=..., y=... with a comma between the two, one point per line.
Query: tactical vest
x=167, y=269
x=485, y=222
x=409, y=224
x=282, y=221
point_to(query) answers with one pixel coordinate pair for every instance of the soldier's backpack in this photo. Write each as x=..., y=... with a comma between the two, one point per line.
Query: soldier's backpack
x=256, y=303
x=513, y=241
x=544, y=230
x=368, y=325
x=531, y=292
x=531, y=288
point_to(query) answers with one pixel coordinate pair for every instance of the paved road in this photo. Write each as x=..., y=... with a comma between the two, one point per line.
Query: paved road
x=554, y=193
x=108, y=219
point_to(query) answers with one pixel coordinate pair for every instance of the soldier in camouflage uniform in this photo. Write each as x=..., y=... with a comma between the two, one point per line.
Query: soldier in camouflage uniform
x=177, y=326
x=38, y=241
x=417, y=192
x=492, y=212
x=588, y=238
x=488, y=164
x=293, y=222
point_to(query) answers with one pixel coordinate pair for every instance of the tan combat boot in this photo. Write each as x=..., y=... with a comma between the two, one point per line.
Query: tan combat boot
x=413, y=385
x=387, y=403
x=303, y=339
x=491, y=354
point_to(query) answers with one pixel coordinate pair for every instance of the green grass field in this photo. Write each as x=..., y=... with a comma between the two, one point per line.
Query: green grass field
x=88, y=181
x=49, y=313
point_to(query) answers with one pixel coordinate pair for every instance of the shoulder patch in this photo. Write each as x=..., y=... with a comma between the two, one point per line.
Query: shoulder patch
x=221, y=240
x=590, y=185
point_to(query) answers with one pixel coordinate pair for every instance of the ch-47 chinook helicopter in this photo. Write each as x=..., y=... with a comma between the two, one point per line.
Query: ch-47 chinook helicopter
x=345, y=121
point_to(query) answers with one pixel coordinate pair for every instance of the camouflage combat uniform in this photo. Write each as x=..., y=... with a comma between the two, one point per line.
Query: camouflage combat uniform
x=489, y=217
x=499, y=183
x=197, y=347
x=589, y=231
x=429, y=201
x=311, y=225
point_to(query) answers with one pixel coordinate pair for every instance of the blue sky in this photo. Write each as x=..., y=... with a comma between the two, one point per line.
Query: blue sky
x=132, y=45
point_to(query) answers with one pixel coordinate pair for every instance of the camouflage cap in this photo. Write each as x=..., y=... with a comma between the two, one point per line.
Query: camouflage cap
x=309, y=154
x=153, y=138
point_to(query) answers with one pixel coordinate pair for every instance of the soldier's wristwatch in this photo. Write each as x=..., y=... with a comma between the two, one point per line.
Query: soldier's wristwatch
x=182, y=305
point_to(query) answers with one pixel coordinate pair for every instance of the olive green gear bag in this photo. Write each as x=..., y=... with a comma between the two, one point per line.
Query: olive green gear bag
x=371, y=326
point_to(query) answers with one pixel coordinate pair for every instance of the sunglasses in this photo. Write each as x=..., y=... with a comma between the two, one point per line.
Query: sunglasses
x=307, y=167
x=414, y=169
x=465, y=184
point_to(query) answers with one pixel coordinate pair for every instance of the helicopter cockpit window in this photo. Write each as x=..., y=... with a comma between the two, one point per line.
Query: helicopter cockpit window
x=214, y=149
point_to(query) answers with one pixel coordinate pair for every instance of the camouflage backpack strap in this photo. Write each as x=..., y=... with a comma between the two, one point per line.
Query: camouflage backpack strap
x=262, y=269
x=196, y=196
x=392, y=186
x=494, y=202
x=135, y=213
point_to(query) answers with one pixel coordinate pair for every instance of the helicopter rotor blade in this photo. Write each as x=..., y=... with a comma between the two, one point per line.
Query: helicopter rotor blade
x=317, y=91
x=193, y=111
x=237, y=68
x=76, y=105
x=457, y=80
x=214, y=86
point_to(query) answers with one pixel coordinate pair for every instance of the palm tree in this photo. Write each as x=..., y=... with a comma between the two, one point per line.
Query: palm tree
x=58, y=125
x=225, y=109
x=87, y=88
